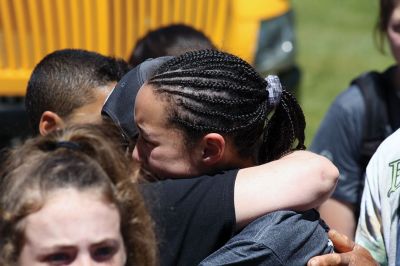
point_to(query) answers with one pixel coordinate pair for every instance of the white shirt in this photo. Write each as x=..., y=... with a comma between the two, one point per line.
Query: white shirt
x=377, y=225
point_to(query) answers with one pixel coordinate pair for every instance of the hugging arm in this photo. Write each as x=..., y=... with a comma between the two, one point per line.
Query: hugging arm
x=299, y=181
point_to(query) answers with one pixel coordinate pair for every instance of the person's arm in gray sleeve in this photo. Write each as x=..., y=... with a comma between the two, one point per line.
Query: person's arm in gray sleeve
x=339, y=138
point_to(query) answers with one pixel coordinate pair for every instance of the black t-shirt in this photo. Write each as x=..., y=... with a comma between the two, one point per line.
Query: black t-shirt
x=193, y=217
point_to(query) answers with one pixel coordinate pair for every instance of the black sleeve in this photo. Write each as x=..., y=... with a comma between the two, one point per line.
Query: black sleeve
x=193, y=217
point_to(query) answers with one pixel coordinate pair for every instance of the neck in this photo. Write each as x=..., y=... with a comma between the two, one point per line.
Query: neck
x=232, y=160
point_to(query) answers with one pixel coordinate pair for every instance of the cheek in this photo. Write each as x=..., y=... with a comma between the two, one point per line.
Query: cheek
x=160, y=157
x=28, y=256
x=394, y=41
x=167, y=163
x=151, y=158
x=120, y=258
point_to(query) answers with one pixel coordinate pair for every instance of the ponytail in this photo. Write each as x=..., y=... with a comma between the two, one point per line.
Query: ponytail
x=284, y=131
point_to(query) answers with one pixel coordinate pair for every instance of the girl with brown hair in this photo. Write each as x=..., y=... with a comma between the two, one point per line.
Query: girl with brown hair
x=71, y=198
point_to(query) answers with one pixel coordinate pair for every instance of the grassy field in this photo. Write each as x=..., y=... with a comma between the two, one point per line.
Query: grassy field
x=335, y=44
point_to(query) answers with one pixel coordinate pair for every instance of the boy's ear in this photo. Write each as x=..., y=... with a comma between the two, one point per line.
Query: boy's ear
x=213, y=145
x=50, y=121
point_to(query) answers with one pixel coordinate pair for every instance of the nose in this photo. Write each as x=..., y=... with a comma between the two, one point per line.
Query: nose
x=85, y=260
x=135, y=154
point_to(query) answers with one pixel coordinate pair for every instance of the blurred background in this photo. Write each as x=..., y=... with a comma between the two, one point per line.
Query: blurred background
x=335, y=42
x=316, y=47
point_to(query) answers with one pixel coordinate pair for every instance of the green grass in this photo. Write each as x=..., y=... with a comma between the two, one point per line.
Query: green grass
x=335, y=44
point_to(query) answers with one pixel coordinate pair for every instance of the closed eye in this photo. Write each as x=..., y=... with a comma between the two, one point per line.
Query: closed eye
x=146, y=141
x=59, y=258
x=142, y=136
x=105, y=250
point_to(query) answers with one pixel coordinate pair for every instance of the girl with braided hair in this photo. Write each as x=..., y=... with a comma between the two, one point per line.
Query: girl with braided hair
x=208, y=112
x=67, y=199
x=251, y=120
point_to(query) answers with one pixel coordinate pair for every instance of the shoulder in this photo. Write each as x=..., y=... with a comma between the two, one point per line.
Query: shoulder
x=388, y=150
x=187, y=194
x=390, y=142
x=285, y=236
x=339, y=134
x=386, y=154
x=345, y=115
x=184, y=208
x=349, y=101
x=283, y=224
x=182, y=185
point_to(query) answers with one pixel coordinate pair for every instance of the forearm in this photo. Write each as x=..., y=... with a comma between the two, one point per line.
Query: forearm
x=299, y=181
x=340, y=216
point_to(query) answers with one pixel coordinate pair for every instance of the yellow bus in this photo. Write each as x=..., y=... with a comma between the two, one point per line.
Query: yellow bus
x=260, y=31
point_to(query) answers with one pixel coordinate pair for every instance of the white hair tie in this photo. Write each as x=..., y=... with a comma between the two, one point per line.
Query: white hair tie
x=274, y=89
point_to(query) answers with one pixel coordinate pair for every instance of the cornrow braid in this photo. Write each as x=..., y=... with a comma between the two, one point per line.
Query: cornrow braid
x=212, y=91
x=209, y=59
x=205, y=83
x=223, y=75
x=229, y=117
x=247, y=120
x=210, y=99
x=240, y=73
x=197, y=57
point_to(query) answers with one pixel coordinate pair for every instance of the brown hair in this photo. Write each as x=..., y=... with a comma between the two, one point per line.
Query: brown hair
x=82, y=157
x=386, y=8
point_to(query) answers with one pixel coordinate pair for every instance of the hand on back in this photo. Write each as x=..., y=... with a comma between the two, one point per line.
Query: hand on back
x=349, y=253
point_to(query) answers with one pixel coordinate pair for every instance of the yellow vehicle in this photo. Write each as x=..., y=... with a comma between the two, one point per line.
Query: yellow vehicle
x=260, y=31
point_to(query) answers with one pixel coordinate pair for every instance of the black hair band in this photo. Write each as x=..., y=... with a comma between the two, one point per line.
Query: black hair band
x=68, y=145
